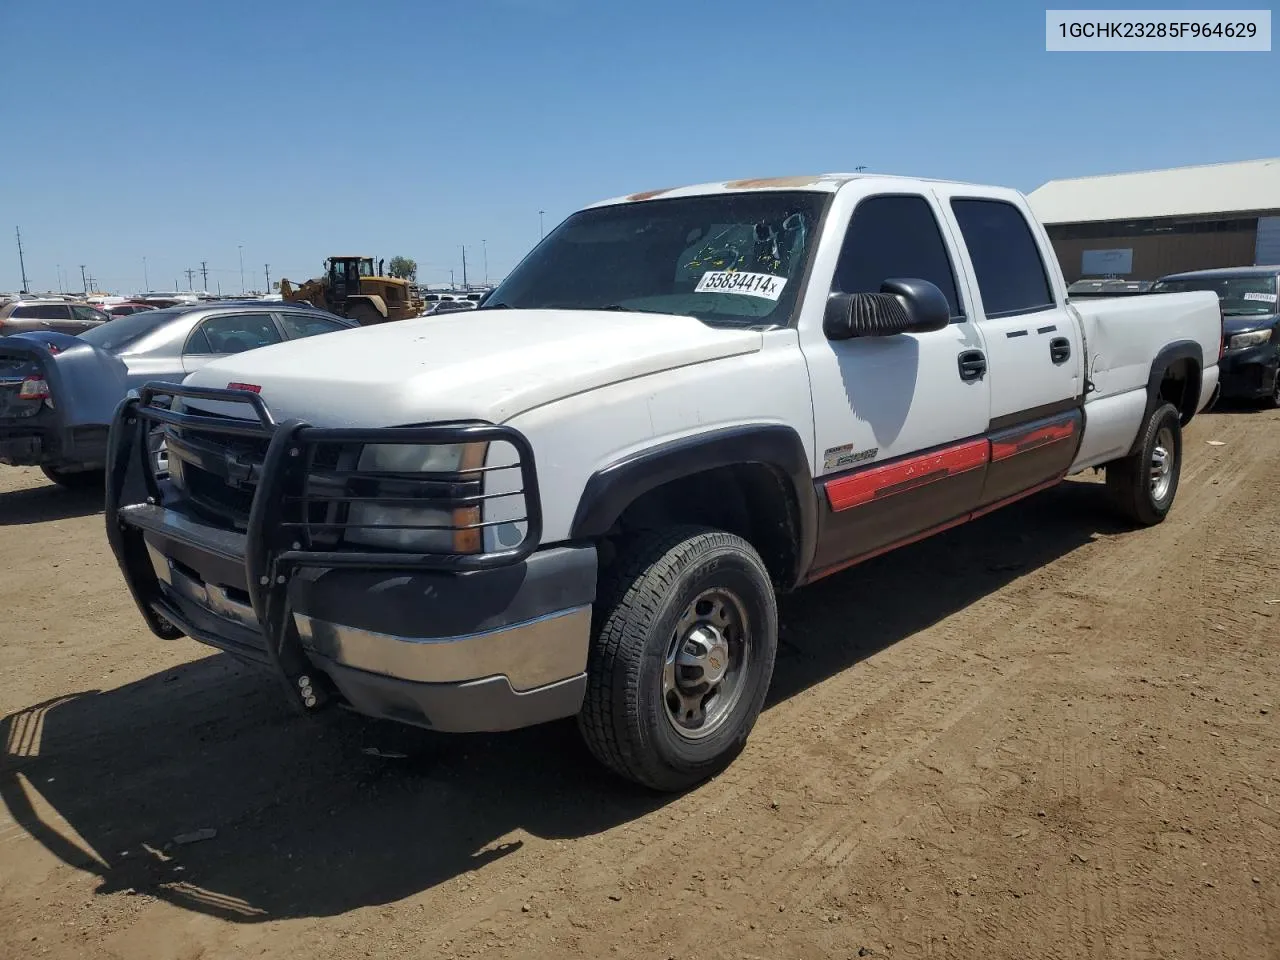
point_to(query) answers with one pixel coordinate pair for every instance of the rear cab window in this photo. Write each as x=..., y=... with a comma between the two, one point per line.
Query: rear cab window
x=1007, y=262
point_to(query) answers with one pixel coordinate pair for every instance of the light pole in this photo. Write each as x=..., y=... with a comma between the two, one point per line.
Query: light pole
x=146, y=282
x=485, y=244
x=541, y=232
x=240, y=247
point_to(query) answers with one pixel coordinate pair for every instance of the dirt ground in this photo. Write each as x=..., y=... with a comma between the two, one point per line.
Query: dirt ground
x=1038, y=736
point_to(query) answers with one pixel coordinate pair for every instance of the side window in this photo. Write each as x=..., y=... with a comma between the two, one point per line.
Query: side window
x=87, y=314
x=1010, y=271
x=43, y=311
x=233, y=333
x=298, y=325
x=895, y=236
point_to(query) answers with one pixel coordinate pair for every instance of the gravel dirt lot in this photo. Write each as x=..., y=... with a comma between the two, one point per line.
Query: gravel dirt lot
x=1038, y=736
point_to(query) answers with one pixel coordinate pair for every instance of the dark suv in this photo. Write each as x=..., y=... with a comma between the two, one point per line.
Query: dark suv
x=1250, y=365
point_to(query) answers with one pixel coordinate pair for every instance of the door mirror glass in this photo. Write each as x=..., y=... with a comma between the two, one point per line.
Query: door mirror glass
x=903, y=305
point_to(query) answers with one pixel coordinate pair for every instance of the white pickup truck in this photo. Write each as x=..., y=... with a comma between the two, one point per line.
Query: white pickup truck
x=582, y=498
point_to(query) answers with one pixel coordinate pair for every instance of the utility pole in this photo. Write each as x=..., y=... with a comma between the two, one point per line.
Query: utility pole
x=486, y=261
x=541, y=232
x=464, y=267
x=60, y=290
x=83, y=281
x=145, y=281
x=266, y=270
x=190, y=273
x=204, y=276
x=240, y=247
x=22, y=260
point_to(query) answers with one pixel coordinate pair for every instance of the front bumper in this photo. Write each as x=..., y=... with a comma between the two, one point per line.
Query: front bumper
x=495, y=647
x=1251, y=372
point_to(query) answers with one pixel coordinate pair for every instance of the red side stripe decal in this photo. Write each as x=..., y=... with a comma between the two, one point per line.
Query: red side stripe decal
x=868, y=485
x=1032, y=439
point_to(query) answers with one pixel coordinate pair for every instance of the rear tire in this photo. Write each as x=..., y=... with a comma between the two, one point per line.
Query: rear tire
x=682, y=658
x=1144, y=484
x=77, y=479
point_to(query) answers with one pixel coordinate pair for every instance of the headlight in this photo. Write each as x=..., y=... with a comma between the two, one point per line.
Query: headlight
x=416, y=458
x=1251, y=339
x=400, y=526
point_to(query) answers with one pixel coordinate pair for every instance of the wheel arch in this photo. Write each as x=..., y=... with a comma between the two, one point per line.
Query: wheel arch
x=373, y=300
x=1175, y=377
x=681, y=480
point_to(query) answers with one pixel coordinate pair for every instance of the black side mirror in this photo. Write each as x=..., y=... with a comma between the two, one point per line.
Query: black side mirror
x=907, y=305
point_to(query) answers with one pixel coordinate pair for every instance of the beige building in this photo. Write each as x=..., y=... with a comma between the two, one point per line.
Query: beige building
x=1143, y=225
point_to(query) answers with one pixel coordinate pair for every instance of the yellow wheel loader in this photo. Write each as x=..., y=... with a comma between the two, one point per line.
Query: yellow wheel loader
x=350, y=287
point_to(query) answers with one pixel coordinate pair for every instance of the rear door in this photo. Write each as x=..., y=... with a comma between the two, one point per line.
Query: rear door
x=1035, y=357
x=225, y=334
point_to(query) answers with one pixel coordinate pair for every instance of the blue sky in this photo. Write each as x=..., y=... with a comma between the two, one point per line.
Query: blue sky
x=177, y=131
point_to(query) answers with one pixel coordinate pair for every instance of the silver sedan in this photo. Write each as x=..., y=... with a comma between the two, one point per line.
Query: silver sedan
x=58, y=392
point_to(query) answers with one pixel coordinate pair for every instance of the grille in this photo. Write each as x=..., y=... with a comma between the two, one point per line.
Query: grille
x=301, y=495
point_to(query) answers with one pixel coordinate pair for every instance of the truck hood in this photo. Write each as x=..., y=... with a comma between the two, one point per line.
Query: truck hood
x=485, y=364
x=1248, y=322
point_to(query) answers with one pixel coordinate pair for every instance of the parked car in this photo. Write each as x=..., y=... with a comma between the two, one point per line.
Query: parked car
x=1250, y=365
x=127, y=308
x=447, y=306
x=58, y=392
x=581, y=499
x=49, y=315
x=1107, y=288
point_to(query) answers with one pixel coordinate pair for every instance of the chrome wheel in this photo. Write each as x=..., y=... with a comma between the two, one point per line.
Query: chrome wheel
x=703, y=675
x=1162, y=464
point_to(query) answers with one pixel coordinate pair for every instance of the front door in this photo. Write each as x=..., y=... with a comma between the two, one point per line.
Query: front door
x=899, y=421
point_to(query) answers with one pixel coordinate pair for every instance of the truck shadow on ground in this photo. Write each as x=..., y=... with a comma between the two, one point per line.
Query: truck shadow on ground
x=309, y=824
x=47, y=502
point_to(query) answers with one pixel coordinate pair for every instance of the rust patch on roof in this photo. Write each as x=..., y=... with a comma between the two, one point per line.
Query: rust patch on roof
x=649, y=194
x=805, y=181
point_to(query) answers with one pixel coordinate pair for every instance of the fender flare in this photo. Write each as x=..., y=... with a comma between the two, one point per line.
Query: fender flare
x=611, y=489
x=1169, y=355
x=372, y=299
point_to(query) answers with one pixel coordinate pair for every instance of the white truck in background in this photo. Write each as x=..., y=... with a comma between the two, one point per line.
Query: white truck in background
x=581, y=498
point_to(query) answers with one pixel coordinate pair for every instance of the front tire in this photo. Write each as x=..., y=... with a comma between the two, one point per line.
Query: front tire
x=1144, y=484
x=682, y=659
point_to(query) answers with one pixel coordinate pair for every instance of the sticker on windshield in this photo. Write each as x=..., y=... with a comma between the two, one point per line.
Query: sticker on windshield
x=763, y=285
x=1260, y=297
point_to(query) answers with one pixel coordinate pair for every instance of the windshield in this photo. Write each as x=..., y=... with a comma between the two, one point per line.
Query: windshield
x=1239, y=296
x=728, y=259
x=117, y=334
